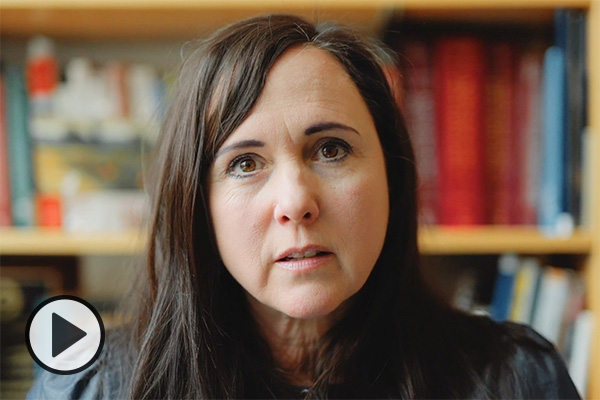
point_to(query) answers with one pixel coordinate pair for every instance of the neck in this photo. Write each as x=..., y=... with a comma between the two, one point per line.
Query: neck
x=291, y=340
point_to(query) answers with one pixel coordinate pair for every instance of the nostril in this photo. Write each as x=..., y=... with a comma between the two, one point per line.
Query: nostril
x=297, y=213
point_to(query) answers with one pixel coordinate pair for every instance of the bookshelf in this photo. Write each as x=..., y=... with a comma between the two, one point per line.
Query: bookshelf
x=432, y=241
x=186, y=19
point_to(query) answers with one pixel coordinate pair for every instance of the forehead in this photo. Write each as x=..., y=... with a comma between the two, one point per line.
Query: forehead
x=306, y=85
x=306, y=67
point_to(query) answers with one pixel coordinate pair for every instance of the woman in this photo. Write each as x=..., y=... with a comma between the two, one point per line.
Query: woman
x=283, y=259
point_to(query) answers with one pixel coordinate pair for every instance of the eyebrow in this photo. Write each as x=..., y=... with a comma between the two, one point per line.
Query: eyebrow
x=325, y=126
x=311, y=130
x=240, y=145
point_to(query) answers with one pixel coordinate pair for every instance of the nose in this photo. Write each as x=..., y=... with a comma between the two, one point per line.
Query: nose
x=296, y=200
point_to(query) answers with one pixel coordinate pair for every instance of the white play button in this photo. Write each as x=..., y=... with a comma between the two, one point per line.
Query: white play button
x=65, y=334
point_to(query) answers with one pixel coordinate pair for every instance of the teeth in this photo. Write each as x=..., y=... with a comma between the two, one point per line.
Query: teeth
x=306, y=254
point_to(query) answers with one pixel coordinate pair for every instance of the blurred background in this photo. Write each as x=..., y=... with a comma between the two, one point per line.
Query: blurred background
x=502, y=101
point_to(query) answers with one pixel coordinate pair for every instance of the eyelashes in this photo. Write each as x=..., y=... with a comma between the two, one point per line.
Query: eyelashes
x=332, y=150
x=327, y=150
x=245, y=165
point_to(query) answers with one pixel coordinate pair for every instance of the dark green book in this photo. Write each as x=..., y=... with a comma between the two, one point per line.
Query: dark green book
x=19, y=148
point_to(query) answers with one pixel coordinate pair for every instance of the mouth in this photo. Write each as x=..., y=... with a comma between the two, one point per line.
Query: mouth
x=305, y=259
x=303, y=254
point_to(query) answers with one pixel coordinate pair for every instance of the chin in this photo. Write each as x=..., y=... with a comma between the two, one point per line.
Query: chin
x=313, y=307
x=309, y=312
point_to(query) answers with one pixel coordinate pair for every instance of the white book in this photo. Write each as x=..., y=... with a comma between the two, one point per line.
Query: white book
x=579, y=361
x=552, y=299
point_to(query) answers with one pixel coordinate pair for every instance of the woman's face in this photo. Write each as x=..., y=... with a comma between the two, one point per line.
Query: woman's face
x=298, y=192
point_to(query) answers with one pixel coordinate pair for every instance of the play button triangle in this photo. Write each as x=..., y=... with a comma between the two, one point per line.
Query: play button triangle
x=64, y=334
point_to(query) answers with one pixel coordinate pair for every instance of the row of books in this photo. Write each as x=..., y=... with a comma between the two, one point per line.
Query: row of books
x=497, y=120
x=73, y=151
x=549, y=299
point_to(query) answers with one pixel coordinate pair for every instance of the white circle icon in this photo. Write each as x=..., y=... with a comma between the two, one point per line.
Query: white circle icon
x=65, y=335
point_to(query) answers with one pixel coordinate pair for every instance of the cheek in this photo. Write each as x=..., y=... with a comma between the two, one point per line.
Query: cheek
x=364, y=209
x=239, y=224
x=373, y=214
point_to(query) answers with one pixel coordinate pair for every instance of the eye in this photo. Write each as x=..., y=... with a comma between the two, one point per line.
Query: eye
x=244, y=166
x=247, y=165
x=332, y=150
x=329, y=151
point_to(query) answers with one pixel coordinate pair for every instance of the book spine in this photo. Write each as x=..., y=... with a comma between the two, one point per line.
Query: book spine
x=504, y=287
x=574, y=306
x=579, y=360
x=590, y=176
x=503, y=156
x=458, y=72
x=575, y=121
x=551, y=302
x=418, y=109
x=525, y=286
x=19, y=145
x=5, y=213
x=551, y=190
x=528, y=119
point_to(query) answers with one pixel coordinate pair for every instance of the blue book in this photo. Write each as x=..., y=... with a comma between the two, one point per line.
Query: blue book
x=504, y=287
x=19, y=148
x=551, y=218
x=562, y=39
x=570, y=38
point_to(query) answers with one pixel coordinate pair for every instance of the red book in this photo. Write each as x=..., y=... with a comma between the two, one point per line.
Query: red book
x=459, y=68
x=418, y=111
x=503, y=155
x=528, y=128
x=5, y=213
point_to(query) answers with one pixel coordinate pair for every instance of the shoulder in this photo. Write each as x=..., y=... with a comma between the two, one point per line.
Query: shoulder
x=102, y=380
x=530, y=365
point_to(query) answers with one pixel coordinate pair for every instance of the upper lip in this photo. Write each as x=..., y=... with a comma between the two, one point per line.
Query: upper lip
x=295, y=250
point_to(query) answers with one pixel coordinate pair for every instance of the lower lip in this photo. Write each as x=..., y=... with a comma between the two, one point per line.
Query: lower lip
x=306, y=264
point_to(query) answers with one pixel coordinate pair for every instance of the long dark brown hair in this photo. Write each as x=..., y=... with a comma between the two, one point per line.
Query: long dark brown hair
x=194, y=336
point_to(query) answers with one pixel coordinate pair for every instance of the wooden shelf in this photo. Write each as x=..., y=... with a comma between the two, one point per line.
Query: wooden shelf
x=499, y=239
x=230, y=4
x=161, y=20
x=15, y=241
x=432, y=241
x=187, y=19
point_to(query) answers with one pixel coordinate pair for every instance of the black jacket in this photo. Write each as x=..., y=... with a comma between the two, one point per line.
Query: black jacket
x=536, y=363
